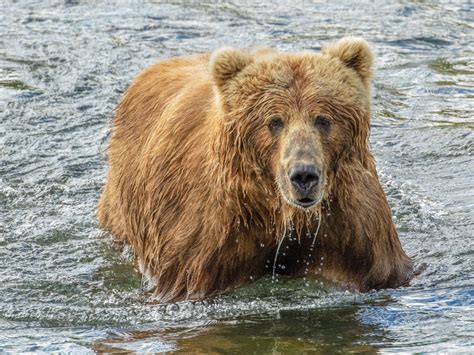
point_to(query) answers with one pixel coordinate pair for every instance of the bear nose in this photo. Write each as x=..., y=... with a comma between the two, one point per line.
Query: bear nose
x=304, y=176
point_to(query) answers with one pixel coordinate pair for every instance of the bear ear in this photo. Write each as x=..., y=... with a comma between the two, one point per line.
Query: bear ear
x=355, y=53
x=226, y=63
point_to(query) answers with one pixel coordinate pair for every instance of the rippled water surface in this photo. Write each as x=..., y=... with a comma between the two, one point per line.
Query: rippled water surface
x=65, y=286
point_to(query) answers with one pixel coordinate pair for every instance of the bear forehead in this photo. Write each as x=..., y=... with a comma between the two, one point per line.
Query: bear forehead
x=289, y=69
x=313, y=77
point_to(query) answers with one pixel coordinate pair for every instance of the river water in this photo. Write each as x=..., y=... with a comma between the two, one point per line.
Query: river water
x=64, y=285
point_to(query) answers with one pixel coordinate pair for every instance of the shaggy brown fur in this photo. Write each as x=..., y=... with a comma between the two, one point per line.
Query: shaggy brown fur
x=198, y=172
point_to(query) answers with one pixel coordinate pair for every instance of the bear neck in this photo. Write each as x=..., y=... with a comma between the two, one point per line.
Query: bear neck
x=358, y=228
x=244, y=195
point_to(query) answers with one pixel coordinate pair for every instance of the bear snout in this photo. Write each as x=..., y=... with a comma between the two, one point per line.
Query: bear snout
x=304, y=177
x=304, y=183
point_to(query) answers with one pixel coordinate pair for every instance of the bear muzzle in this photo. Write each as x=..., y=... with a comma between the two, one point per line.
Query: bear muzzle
x=305, y=179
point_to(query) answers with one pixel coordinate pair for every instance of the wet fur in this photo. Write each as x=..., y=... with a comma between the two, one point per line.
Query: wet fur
x=190, y=183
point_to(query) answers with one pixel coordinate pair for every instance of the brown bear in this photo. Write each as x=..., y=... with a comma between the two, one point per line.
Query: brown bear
x=224, y=165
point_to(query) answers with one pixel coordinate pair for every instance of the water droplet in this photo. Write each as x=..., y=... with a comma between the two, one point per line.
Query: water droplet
x=283, y=267
x=262, y=245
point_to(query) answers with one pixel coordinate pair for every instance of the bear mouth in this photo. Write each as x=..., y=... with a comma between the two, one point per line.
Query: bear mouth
x=305, y=202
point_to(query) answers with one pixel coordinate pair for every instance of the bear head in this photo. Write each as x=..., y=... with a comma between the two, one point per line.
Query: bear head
x=292, y=119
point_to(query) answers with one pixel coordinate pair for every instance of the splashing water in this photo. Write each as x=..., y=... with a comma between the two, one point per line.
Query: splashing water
x=278, y=251
x=320, y=217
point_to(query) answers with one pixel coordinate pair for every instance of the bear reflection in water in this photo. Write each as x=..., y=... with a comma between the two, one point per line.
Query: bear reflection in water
x=214, y=157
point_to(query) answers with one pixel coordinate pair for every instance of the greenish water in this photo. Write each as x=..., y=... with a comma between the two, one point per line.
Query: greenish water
x=64, y=285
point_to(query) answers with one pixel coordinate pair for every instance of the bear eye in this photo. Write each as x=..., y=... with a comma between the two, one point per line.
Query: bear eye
x=322, y=122
x=275, y=125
